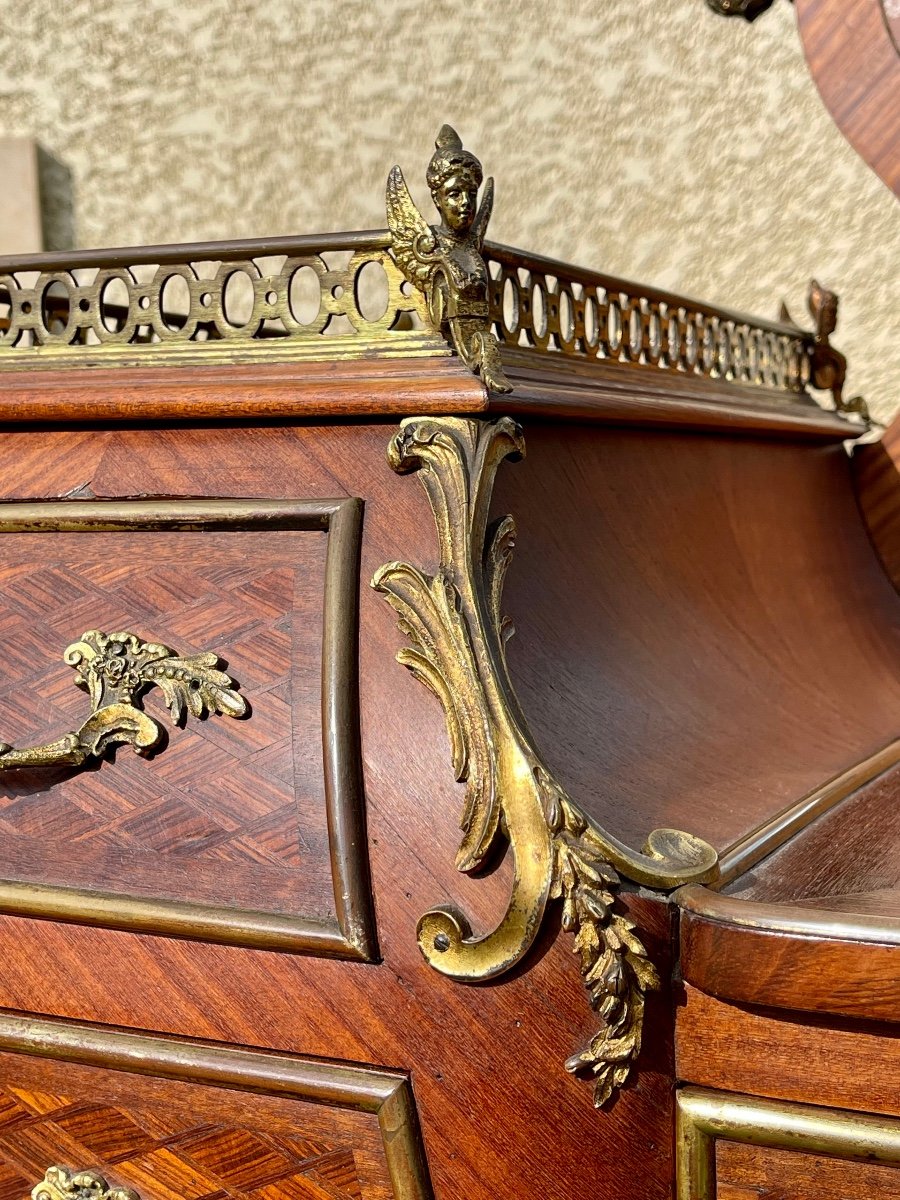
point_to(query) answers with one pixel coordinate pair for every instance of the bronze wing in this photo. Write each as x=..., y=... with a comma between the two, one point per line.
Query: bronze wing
x=412, y=240
x=480, y=224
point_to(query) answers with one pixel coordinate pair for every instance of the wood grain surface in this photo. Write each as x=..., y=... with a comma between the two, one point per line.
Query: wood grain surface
x=876, y=476
x=677, y=668
x=765, y=1052
x=806, y=960
x=755, y=1173
x=855, y=63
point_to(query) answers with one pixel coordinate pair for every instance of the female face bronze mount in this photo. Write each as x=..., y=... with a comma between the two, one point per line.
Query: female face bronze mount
x=456, y=200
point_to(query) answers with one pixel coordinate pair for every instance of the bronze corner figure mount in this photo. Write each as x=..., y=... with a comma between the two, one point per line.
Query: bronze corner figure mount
x=445, y=261
x=827, y=366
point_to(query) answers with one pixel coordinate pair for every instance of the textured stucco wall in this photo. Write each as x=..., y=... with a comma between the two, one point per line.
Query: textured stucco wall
x=650, y=138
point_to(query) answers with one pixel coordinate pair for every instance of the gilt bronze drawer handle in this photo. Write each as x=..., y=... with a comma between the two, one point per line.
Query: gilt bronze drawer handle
x=116, y=668
x=59, y=1183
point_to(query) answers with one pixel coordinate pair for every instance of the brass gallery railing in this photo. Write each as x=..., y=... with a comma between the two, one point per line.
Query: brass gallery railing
x=343, y=295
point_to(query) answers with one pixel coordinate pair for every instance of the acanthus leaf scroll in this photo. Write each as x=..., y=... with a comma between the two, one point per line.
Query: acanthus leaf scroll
x=454, y=622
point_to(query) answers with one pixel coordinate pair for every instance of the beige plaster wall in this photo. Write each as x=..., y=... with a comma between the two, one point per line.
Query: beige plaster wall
x=648, y=138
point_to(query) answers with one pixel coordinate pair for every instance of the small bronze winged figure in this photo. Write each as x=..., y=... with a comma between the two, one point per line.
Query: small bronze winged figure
x=444, y=261
x=828, y=367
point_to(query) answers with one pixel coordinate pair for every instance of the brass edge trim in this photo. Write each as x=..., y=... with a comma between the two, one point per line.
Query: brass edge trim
x=822, y=923
x=768, y=837
x=703, y=1116
x=353, y=347
x=383, y=1092
x=353, y=933
x=455, y=624
x=342, y=752
x=179, y=252
x=177, y=918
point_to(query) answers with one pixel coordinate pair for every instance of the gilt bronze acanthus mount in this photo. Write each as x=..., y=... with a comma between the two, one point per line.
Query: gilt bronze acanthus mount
x=455, y=623
x=115, y=669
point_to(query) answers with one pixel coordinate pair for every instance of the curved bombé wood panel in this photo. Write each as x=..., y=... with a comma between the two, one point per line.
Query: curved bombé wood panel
x=704, y=634
x=854, y=60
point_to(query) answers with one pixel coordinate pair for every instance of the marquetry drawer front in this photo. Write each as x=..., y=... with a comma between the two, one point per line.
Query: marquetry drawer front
x=248, y=830
x=734, y=1147
x=199, y=1122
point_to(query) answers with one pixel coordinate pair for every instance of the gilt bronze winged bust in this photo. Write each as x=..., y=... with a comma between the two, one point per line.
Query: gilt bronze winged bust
x=444, y=261
x=828, y=367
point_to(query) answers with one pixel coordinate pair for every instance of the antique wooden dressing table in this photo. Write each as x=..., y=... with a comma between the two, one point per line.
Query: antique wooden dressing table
x=243, y=962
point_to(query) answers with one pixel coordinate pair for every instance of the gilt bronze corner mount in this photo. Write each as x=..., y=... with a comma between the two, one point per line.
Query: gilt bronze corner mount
x=445, y=261
x=115, y=668
x=827, y=366
x=455, y=623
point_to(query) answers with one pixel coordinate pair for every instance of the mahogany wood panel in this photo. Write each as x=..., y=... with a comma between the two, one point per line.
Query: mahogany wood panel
x=228, y=811
x=177, y=1140
x=677, y=669
x=600, y=392
x=300, y=391
x=687, y=663
x=648, y=632
x=876, y=473
x=235, y=812
x=767, y=1052
x=371, y=388
x=853, y=848
x=856, y=66
x=486, y=1063
x=735, y=949
x=754, y=1173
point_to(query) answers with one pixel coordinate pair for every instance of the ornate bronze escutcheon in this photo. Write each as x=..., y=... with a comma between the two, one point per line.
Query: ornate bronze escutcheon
x=116, y=668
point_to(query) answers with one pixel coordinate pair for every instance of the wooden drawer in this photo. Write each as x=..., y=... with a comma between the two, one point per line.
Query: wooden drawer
x=761, y=1173
x=739, y=1147
x=182, y=1120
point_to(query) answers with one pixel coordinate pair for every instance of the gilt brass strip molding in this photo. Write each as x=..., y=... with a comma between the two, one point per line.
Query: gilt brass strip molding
x=809, y=921
x=352, y=934
x=385, y=1093
x=768, y=837
x=455, y=623
x=703, y=1117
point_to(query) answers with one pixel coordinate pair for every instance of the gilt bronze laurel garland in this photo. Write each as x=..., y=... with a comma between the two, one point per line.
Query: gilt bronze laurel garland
x=455, y=624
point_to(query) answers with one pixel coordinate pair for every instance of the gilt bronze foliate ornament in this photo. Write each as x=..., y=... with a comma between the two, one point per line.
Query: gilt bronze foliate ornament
x=455, y=623
x=115, y=668
x=445, y=261
x=59, y=1183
